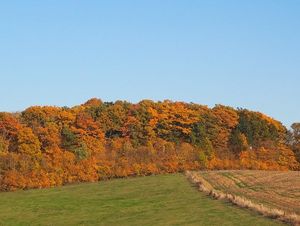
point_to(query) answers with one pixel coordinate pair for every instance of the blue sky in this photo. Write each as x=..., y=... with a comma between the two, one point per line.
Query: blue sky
x=238, y=53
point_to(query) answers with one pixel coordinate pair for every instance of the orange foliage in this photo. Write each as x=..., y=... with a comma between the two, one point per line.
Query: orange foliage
x=52, y=146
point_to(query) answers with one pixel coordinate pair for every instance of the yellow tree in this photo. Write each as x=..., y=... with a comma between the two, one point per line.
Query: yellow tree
x=28, y=143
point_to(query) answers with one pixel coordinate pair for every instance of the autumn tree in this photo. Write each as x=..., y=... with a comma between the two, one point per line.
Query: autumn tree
x=49, y=146
x=3, y=145
x=28, y=143
x=295, y=139
x=238, y=142
x=225, y=120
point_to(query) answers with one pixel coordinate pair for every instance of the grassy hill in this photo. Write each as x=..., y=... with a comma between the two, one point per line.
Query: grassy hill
x=154, y=200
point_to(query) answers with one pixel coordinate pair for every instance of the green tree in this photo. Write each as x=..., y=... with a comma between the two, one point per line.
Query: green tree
x=238, y=141
x=200, y=138
x=295, y=140
x=72, y=143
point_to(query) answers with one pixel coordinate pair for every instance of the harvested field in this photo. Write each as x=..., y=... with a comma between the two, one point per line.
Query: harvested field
x=275, y=189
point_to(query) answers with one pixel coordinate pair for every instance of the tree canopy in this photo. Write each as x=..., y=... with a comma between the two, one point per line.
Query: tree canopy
x=49, y=146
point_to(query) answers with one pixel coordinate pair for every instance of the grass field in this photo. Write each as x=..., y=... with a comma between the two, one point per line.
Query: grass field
x=279, y=190
x=154, y=200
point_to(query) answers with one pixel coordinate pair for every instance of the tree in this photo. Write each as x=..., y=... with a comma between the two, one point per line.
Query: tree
x=199, y=138
x=9, y=126
x=28, y=143
x=219, y=123
x=72, y=143
x=239, y=142
x=3, y=145
x=174, y=121
x=259, y=128
x=295, y=140
x=94, y=102
x=48, y=146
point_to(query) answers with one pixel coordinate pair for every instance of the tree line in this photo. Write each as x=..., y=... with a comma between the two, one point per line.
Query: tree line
x=50, y=146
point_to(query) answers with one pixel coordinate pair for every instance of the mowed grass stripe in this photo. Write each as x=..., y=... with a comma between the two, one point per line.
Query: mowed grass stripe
x=154, y=200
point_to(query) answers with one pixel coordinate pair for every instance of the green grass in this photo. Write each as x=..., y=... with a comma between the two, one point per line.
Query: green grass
x=155, y=200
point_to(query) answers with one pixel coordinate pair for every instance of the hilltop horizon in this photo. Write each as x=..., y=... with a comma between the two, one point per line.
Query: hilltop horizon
x=139, y=101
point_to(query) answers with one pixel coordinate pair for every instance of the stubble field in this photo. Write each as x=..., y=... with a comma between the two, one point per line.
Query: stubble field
x=275, y=189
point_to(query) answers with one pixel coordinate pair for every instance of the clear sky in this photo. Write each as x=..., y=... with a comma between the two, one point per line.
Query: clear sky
x=238, y=53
